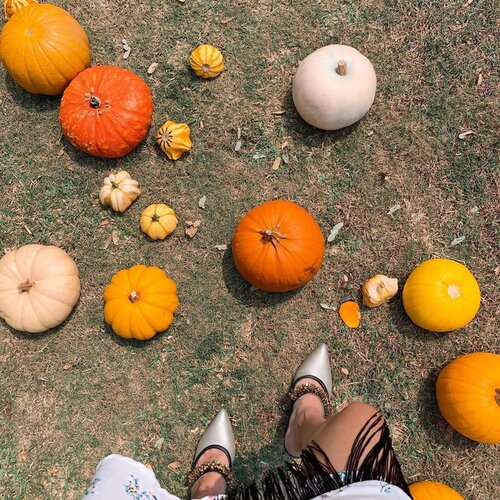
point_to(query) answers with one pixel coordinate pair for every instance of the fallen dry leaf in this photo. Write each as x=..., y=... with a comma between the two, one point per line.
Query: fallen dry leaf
x=105, y=222
x=202, y=201
x=276, y=163
x=345, y=371
x=463, y=135
x=327, y=307
x=66, y=366
x=125, y=44
x=107, y=242
x=127, y=53
x=152, y=68
x=394, y=208
x=221, y=247
x=61, y=152
x=457, y=241
x=284, y=145
x=345, y=278
x=479, y=80
x=278, y=113
x=159, y=442
x=238, y=133
x=192, y=227
x=334, y=232
x=227, y=20
x=285, y=156
x=474, y=210
x=174, y=465
x=114, y=237
x=238, y=145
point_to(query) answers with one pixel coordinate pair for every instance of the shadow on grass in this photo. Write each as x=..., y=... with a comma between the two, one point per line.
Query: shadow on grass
x=307, y=134
x=436, y=427
x=244, y=292
x=38, y=102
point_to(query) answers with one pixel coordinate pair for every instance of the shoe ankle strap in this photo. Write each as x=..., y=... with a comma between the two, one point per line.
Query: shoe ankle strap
x=301, y=390
x=212, y=466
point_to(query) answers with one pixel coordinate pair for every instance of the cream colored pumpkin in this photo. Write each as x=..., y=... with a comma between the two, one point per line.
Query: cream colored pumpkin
x=39, y=285
x=334, y=87
x=119, y=191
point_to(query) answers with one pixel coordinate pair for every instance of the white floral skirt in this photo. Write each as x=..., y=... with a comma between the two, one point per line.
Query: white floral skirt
x=121, y=478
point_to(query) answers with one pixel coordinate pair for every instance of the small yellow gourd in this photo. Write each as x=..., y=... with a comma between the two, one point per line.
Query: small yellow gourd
x=206, y=61
x=174, y=139
x=158, y=221
x=10, y=7
x=378, y=290
x=119, y=191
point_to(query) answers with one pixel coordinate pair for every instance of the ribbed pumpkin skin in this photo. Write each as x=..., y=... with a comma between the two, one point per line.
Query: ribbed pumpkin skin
x=432, y=490
x=441, y=295
x=43, y=48
x=152, y=312
x=289, y=262
x=468, y=396
x=106, y=111
x=39, y=286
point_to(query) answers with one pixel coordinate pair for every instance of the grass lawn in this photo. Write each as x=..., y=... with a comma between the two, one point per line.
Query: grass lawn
x=77, y=393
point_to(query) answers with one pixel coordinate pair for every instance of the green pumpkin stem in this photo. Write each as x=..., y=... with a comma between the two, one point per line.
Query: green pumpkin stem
x=134, y=296
x=26, y=286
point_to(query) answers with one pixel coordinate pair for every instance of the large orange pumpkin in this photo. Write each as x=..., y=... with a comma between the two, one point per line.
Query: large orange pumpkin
x=278, y=246
x=441, y=295
x=43, y=48
x=432, y=490
x=106, y=111
x=468, y=396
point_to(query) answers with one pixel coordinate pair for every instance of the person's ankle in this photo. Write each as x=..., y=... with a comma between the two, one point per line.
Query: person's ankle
x=211, y=483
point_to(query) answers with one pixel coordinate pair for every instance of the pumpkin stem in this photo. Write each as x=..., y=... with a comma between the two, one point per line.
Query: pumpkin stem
x=205, y=68
x=497, y=395
x=26, y=286
x=272, y=236
x=341, y=68
x=166, y=137
x=155, y=217
x=95, y=102
x=115, y=185
x=454, y=291
x=134, y=296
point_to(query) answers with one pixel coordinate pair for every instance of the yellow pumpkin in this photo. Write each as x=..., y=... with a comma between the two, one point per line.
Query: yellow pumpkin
x=43, y=48
x=468, y=396
x=140, y=302
x=10, y=7
x=378, y=290
x=206, y=61
x=174, y=139
x=432, y=490
x=441, y=295
x=158, y=221
x=39, y=285
x=119, y=191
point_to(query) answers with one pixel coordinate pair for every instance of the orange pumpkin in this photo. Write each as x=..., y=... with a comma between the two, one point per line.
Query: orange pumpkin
x=140, y=302
x=278, y=246
x=432, y=490
x=10, y=7
x=468, y=396
x=106, y=111
x=43, y=48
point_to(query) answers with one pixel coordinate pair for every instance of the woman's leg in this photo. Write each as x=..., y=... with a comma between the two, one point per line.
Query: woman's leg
x=335, y=435
x=211, y=483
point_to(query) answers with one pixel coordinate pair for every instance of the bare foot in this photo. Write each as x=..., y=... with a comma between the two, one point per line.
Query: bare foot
x=307, y=409
x=211, y=483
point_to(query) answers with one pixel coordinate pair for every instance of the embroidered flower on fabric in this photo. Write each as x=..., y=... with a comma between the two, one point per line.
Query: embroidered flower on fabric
x=91, y=490
x=133, y=490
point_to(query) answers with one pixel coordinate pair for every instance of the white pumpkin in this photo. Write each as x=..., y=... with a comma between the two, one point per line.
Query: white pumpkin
x=119, y=191
x=334, y=87
x=39, y=285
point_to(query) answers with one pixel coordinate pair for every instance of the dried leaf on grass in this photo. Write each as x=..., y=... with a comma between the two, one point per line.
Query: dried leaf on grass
x=174, y=465
x=349, y=313
x=221, y=247
x=125, y=44
x=479, y=80
x=457, y=241
x=192, y=227
x=463, y=135
x=202, y=201
x=394, y=208
x=114, y=236
x=127, y=53
x=66, y=366
x=159, y=443
x=345, y=371
x=152, y=68
x=238, y=145
x=276, y=163
x=335, y=231
x=326, y=306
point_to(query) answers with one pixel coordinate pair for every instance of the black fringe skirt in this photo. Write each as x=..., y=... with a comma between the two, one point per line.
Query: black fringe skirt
x=314, y=474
